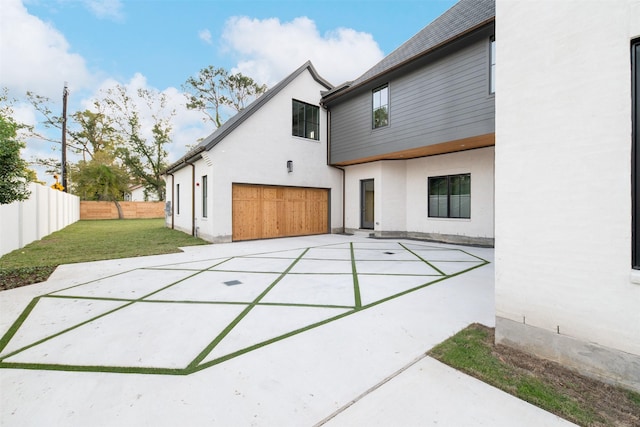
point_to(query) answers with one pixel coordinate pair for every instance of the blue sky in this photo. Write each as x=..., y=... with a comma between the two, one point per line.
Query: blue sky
x=94, y=44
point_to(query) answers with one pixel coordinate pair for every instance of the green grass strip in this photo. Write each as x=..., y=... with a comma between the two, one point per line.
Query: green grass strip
x=16, y=325
x=93, y=318
x=267, y=304
x=200, y=357
x=324, y=322
x=64, y=331
x=94, y=368
x=91, y=281
x=196, y=365
x=270, y=341
x=423, y=260
x=290, y=304
x=89, y=298
x=356, y=283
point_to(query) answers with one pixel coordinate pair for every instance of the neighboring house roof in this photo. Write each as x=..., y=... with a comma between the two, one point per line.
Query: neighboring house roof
x=462, y=18
x=219, y=134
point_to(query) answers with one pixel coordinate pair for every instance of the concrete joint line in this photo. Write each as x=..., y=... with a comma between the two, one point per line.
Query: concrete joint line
x=369, y=391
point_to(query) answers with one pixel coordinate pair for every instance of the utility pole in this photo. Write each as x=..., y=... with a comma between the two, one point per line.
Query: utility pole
x=65, y=94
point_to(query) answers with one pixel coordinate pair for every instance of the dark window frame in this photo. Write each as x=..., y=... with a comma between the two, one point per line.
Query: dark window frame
x=177, y=199
x=635, y=156
x=306, y=127
x=446, y=196
x=376, y=123
x=205, y=189
x=492, y=65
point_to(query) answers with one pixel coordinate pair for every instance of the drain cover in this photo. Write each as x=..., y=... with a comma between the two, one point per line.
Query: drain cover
x=233, y=282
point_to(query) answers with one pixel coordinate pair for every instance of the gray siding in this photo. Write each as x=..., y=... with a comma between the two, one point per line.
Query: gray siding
x=445, y=98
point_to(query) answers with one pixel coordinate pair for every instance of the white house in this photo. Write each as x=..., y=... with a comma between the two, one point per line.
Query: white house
x=264, y=173
x=566, y=286
x=137, y=193
x=535, y=148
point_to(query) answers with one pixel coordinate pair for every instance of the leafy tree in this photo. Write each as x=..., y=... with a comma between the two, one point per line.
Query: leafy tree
x=213, y=89
x=42, y=104
x=100, y=178
x=145, y=157
x=14, y=173
x=96, y=133
x=88, y=132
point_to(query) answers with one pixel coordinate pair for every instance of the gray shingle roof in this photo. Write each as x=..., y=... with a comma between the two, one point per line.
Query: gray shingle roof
x=461, y=18
x=219, y=134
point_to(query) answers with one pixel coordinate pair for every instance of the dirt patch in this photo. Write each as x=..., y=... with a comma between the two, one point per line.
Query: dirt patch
x=613, y=405
x=16, y=277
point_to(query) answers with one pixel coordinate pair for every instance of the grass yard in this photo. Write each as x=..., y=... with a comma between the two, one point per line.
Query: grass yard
x=90, y=241
x=546, y=384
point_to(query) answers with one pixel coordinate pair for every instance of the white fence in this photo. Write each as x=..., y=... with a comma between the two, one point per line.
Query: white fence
x=47, y=210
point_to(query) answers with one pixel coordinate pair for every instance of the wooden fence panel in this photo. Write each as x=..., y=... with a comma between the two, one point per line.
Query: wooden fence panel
x=130, y=210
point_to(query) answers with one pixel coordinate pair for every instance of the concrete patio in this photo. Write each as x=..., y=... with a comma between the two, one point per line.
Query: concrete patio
x=321, y=330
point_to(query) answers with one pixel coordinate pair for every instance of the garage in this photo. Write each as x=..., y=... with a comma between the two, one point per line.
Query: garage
x=262, y=211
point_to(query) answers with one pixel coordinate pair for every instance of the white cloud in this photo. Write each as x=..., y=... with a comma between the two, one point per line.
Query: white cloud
x=40, y=61
x=35, y=56
x=269, y=49
x=105, y=9
x=205, y=35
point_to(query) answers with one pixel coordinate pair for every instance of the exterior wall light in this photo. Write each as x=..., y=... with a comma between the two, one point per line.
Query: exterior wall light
x=289, y=166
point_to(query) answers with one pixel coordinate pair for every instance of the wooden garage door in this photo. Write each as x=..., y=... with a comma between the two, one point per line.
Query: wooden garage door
x=261, y=212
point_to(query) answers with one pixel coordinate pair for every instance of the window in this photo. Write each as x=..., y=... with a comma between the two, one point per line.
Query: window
x=635, y=147
x=450, y=196
x=204, y=196
x=492, y=66
x=381, y=107
x=306, y=120
x=178, y=199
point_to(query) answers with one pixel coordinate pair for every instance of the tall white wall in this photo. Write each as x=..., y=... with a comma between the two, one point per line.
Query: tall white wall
x=563, y=195
x=45, y=211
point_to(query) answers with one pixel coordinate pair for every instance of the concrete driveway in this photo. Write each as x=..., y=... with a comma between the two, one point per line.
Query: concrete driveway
x=322, y=330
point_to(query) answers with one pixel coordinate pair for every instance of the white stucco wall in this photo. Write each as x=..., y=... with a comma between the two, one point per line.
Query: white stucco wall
x=563, y=145
x=401, y=200
x=353, y=176
x=478, y=163
x=183, y=219
x=137, y=195
x=257, y=153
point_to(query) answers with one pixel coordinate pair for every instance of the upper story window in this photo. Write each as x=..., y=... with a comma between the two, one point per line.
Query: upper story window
x=450, y=196
x=306, y=120
x=381, y=106
x=492, y=68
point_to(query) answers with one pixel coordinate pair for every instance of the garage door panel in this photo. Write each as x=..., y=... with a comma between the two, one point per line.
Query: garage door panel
x=273, y=211
x=268, y=211
x=251, y=226
x=297, y=217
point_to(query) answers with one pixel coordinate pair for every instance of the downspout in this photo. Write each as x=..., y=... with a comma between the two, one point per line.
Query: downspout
x=333, y=166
